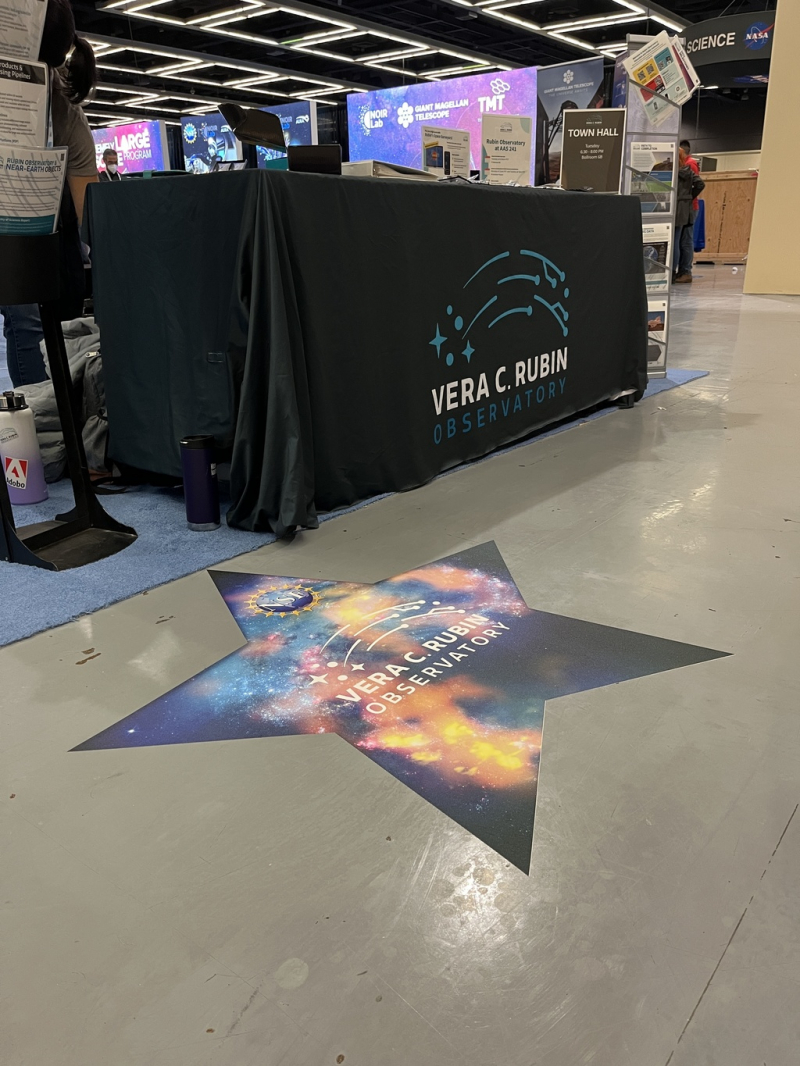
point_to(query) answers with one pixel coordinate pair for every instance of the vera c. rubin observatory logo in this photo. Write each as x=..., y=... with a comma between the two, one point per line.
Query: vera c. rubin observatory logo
x=438, y=675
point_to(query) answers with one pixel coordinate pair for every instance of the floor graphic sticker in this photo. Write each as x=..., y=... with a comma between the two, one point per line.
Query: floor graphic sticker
x=439, y=675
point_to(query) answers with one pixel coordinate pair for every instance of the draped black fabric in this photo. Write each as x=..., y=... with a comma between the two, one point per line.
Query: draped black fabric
x=376, y=332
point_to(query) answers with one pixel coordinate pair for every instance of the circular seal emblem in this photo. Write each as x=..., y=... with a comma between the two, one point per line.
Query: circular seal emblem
x=291, y=599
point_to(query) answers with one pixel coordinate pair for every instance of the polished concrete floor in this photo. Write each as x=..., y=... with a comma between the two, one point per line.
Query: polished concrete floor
x=287, y=903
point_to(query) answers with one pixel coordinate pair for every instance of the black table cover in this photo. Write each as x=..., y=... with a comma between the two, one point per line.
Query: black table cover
x=355, y=336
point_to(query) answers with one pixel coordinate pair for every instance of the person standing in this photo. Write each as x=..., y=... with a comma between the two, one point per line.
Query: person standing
x=687, y=234
x=690, y=185
x=72, y=81
x=111, y=165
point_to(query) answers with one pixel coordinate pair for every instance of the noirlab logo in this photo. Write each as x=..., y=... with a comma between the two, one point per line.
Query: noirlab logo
x=371, y=118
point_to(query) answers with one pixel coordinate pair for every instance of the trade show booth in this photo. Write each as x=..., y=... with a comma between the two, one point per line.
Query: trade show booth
x=346, y=337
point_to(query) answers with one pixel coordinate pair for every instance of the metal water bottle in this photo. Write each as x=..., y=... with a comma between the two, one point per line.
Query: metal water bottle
x=200, y=487
x=19, y=451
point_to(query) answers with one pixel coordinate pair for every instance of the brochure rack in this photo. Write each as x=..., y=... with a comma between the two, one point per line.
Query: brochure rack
x=658, y=301
x=29, y=274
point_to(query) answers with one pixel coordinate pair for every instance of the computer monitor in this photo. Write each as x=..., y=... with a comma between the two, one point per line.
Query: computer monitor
x=315, y=158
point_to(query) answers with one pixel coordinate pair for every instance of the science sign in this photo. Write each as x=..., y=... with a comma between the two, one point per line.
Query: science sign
x=385, y=124
x=734, y=50
x=563, y=87
x=139, y=146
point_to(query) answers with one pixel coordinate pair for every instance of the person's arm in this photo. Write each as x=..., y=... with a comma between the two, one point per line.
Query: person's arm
x=77, y=188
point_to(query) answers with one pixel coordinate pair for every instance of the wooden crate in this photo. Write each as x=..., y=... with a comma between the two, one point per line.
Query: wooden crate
x=729, y=198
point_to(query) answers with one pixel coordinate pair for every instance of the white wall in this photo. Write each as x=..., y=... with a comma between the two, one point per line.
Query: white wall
x=774, y=262
x=735, y=160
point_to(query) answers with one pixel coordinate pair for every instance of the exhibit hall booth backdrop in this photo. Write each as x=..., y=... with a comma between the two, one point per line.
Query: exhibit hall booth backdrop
x=140, y=146
x=386, y=124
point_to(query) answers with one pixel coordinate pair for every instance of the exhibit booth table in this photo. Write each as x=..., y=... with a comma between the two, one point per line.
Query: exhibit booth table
x=354, y=336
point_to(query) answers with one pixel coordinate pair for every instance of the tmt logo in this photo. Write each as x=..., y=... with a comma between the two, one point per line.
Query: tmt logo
x=405, y=115
x=495, y=102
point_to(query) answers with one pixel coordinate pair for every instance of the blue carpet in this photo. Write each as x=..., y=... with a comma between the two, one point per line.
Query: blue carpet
x=34, y=600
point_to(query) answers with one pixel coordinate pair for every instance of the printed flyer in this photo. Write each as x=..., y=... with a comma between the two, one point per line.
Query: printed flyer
x=650, y=174
x=24, y=103
x=21, y=25
x=506, y=149
x=665, y=76
x=657, y=242
x=657, y=320
x=31, y=181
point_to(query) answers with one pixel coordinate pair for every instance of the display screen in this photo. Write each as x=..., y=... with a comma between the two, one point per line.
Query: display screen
x=299, y=122
x=139, y=146
x=207, y=140
x=385, y=124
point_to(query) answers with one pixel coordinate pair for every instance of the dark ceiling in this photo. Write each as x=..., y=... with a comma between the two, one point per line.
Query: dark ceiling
x=164, y=58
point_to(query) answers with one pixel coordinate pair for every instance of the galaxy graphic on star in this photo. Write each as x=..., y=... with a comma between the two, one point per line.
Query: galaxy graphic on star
x=439, y=675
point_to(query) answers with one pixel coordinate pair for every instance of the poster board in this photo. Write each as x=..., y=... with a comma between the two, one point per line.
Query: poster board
x=445, y=152
x=592, y=151
x=506, y=142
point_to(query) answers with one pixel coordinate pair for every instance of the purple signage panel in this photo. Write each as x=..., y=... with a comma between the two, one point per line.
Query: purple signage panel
x=386, y=124
x=139, y=146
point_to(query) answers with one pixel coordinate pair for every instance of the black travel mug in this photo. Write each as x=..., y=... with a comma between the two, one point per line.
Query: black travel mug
x=200, y=488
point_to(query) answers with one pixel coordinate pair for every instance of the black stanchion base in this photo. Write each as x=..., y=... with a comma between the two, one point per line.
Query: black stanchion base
x=53, y=544
x=12, y=550
x=29, y=273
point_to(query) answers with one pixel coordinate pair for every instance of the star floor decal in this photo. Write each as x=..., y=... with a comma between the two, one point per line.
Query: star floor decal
x=439, y=675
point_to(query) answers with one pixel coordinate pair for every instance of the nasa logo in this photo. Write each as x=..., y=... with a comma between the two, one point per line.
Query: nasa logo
x=757, y=36
x=16, y=472
x=190, y=133
x=282, y=601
